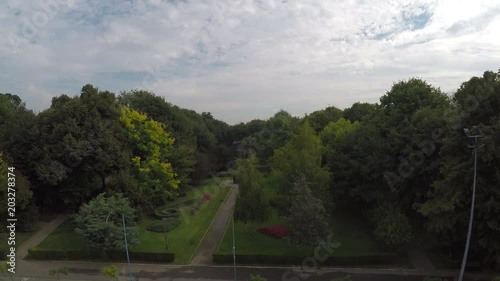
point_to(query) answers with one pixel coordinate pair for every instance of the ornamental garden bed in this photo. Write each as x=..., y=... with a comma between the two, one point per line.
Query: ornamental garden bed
x=182, y=241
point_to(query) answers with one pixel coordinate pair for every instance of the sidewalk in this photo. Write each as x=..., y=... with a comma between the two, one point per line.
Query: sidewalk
x=210, y=242
x=38, y=237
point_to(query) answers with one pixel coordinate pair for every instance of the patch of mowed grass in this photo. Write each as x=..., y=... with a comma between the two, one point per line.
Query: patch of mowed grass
x=182, y=241
x=64, y=238
x=21, y=237
x=354, y=236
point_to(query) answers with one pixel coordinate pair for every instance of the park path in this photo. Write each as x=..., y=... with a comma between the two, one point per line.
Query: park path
x=418, y=257
x=215, y=233
x=39, y=236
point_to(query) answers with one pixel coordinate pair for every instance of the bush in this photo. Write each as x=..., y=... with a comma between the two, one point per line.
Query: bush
x=223, y=174
x=391, y=226
x=93, y=254
x=159, y=225
x=166, y=212
x=374, y=259
x=178, y=205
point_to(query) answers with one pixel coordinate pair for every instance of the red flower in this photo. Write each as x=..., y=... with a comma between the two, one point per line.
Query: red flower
x=275, y=231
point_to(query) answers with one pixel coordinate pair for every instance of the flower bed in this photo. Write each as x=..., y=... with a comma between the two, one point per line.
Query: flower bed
x=274, y=231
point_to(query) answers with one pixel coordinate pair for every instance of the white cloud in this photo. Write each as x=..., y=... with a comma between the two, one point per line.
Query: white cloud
x=242, y=58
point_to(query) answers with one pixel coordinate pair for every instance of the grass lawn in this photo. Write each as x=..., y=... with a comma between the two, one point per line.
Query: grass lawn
x=183, y=240
x=21, y=237
x=352, y=233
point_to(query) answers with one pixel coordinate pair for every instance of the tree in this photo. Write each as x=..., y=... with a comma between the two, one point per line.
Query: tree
x=448, y=206
x=58, y=271
x=156, y=179
x=26, y=211
x=391, y=226
x=358, y=111
x=100, y=222
x=319, y=119
x=301, y=156
x=250, y=204
x=110, y=272
x=74, y=146
x=182, y=128
x=333, y=134
x=307, y=216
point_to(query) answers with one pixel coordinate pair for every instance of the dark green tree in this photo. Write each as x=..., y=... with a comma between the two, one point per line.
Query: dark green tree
x=100, y=222
x=250, y=204
x=448, y=208
x=307, y=217
x=301, y=156
x=358, y=111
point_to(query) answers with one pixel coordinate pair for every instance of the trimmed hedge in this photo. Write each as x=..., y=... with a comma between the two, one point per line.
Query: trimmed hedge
x=45, y=254
x=159, y=226
x=375, y=259
x=181, y=204
x=166, y=213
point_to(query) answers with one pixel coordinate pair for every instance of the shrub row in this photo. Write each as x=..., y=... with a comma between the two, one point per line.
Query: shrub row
x=166, y=213
x=159, y=226
x=181, y=204
x=46, y=254
x=375, y=259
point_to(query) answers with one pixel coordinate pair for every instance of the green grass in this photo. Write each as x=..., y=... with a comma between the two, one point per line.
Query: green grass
x=183, y=240
x=21, y=237
x=354, y=236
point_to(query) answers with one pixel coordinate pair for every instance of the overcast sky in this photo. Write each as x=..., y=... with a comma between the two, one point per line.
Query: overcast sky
x=244, y=59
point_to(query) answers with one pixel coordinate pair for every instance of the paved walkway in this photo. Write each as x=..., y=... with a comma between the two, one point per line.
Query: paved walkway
x=418, y=257
x=215, y=233
x=37, y=238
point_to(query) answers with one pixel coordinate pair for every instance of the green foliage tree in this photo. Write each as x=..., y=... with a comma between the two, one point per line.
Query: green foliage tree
x=300, y=157
x=391, y=226
x=358, y=111
x=276, y=132
x=319, y=119
x=99, y=222
x=110, y=272
x=57, y=272
x=307, y=217
x=23, y=193
x=448, y=208
x=250, y=204
x=182, y=128
x=74, y=146
x=156, y=179
x=333, y=134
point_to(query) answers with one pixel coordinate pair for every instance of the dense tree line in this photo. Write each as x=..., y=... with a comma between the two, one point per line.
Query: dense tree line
x=408, y=150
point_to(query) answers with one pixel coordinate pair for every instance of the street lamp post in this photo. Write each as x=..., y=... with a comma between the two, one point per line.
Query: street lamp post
x=474, y=133
x=234, y=251
x=126, y=247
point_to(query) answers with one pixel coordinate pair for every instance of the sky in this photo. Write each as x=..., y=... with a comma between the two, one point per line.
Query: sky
x=244, y=59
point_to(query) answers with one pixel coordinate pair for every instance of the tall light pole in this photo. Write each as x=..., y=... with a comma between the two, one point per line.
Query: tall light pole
x=234, y=251
x=474, y=133
x=126, y=247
